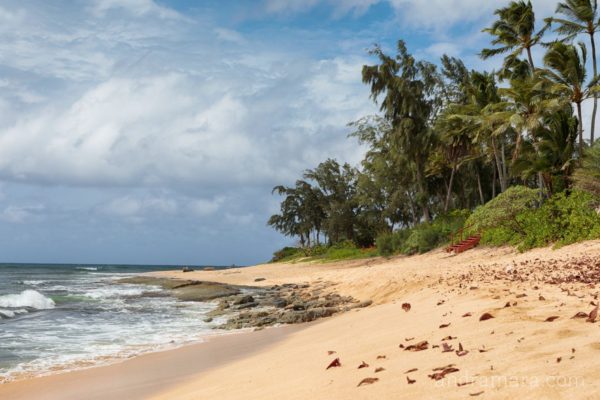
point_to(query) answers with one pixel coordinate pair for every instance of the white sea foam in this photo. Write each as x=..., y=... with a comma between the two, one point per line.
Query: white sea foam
x=12, y=313
x=87, y=268
x=27, y=298
x=33, y=283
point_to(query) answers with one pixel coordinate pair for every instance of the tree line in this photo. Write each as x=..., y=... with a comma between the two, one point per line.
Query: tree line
x=448, y=137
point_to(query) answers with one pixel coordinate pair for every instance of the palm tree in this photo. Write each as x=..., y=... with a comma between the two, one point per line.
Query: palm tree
x=581, y=16
x=515, y=32
x=566, y=75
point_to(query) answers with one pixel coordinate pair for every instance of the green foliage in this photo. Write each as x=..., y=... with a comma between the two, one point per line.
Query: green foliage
x=502, y=211
x=587, y=177
x=423, y=237
x=564, y=219
x=287, y=254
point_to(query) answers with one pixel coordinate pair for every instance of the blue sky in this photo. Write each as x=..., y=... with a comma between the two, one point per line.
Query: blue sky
x=152, y=132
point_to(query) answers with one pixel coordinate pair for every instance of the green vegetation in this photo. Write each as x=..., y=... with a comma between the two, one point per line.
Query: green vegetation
x=507, y=145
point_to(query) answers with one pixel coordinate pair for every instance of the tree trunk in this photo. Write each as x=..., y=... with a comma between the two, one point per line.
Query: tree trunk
x=595, y=94
x=499, y=166
x=580, y=128
x=481, y=199
x=422, y=192
x=449, y=189
x=530, y=60
x=494, y=183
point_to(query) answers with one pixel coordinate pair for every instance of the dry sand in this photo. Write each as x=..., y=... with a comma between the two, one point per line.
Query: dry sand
x=521, y=353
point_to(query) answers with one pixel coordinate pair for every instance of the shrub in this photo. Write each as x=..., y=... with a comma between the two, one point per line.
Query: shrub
x=502, y=211
x=422, y=238
x=287, y=253
x=563, y=219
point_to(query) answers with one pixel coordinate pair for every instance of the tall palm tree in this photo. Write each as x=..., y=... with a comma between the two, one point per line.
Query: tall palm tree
x=515, y=32
x=580, y=17
x=566, y=76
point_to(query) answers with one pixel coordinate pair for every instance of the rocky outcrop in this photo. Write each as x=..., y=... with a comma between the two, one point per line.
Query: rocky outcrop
x=247, y=307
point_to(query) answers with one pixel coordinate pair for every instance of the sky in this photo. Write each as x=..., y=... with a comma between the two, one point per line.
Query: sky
x=152, y=132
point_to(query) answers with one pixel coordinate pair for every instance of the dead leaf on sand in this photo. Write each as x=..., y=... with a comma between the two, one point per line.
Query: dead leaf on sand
x=406, y=307
x=449, y=338
x=486, y=316
x=461, y=352
x=467, y=315
x=593, y=315
x=367, y=381
x=580, y=314
x=330, y=352
x=410, y=381
x=476, y=394
x=379, y=369
x=334, y=363
x=436, y=376
x=551, y=319
x=411, y=370
x=447, y=348
x=408, y=339
x=460, y=384
x=363, y=365
x=444, y=325
x=424, y=345
x=382, y=357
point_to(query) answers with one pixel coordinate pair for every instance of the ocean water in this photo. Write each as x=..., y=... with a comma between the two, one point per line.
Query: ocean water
x=63, y=317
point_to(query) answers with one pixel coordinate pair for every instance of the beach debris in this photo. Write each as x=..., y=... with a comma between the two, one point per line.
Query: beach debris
x=551, y=319
x=444, y=325
x=442, y=372
x=363, y=365
x=410, y=381
x=541, y=298
x=448, y=338
x=593, y=315
x=559, y=359
x=406, y=307
x=423, y=345
x=476, y=394
x=401, y=345
x=467, y=315
x=439, y=303
x=368, y=381
x=461, y=351
x=520, y=296
x=447, y=348
x=580, y=314
x=461, y=384
x=260, y=279
x=408, y=339
x=507, y=305
x=334, y=363
x=330, y=352
x=486, y=316
x=379, y=369
x=572, y=351
x=381, y=357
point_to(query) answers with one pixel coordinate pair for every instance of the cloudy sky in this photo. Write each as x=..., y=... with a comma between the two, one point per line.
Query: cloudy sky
x=152, y=132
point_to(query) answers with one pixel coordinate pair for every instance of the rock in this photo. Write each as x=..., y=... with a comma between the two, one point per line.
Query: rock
x=204, y=291
x=363, y=304
x=259, y=279
x=244, y=300
x=247, y=305
x=207, y=320
x=187, y=269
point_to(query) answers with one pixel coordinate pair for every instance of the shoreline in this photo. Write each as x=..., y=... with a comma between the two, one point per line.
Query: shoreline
x=141, y=376
x=532, y=348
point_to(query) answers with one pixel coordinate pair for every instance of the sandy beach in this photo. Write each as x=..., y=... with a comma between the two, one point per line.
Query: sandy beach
x=425, y=336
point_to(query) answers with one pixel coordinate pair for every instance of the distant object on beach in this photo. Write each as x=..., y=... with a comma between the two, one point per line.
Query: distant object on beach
x=187, y=269
x=208, y=269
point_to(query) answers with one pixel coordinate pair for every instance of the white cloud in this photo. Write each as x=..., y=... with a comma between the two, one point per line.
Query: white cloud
x=135, y=7
x=20, y=214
